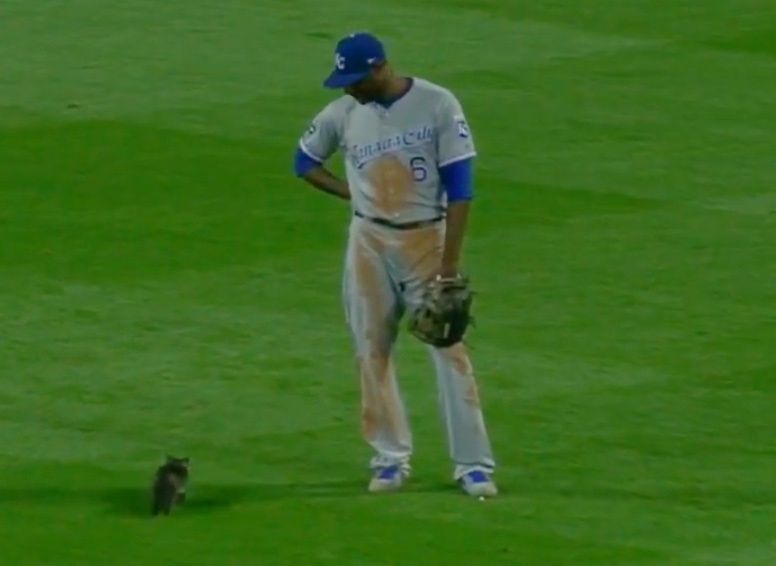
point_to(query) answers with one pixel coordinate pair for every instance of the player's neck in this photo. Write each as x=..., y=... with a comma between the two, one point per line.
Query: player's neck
x=395, y=89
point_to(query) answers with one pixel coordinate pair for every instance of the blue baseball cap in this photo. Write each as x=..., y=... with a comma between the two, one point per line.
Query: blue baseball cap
x=354, y=58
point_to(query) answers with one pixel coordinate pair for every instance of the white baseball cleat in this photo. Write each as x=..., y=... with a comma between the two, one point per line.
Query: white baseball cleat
x=389, y=478
x=478, y=484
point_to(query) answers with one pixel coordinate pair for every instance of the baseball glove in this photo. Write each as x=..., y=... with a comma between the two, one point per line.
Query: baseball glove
x=444, y=313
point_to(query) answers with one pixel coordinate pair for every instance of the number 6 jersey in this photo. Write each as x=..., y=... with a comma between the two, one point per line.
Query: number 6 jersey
x=393, y=151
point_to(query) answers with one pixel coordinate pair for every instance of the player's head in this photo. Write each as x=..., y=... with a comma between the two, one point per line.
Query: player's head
x=360, y=67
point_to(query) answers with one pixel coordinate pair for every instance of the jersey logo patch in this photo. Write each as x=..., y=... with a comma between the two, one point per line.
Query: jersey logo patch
x=463, y=129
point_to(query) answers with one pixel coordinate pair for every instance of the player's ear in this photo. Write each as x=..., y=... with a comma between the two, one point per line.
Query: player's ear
x=380, y=70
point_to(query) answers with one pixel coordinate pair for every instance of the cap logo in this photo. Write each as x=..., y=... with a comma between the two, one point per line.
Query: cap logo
x=339, y=61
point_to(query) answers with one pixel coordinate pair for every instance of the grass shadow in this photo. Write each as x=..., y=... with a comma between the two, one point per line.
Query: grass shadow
x=204, y=498
x=211, y=498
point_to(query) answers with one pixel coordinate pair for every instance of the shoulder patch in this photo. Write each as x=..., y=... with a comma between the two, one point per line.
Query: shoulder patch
x=463, y=128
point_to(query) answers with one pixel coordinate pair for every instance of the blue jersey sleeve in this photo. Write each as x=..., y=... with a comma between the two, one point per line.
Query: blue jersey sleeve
x=303, y=163
x=457, y=180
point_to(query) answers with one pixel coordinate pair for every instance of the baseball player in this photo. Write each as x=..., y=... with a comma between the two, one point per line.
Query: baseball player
x=408, y=154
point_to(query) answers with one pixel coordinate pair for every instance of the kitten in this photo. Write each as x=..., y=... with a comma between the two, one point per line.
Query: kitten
x=169, y=486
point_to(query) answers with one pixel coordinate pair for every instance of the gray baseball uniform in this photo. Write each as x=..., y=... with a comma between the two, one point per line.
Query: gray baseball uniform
x=392, y=156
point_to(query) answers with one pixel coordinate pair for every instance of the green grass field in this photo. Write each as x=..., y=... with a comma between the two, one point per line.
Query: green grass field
x=166, y=285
